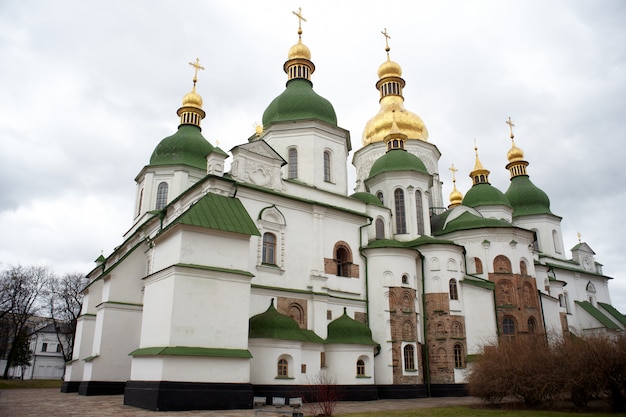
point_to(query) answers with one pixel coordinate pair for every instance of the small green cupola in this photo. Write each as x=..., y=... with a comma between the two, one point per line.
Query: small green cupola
x=273, y=325
x=187, y=146
x=482, y=192
x=525, y=197
x=299, y=101
x=346, y=330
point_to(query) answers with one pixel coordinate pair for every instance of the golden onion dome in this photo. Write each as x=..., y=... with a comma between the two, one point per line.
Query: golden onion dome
x=515, y=154
x=456, y=198
x=379, y=126
x=299, y=50
x=192, y=99
x=389, y=68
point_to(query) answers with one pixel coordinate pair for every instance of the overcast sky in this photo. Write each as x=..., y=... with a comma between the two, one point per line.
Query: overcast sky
x=88, y=89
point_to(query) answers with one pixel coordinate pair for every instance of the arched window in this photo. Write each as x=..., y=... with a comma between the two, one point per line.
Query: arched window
x=293, y=163
x=409, y=358
x=478, y=264
x=532, y=325
x=380, y=229
x=400, y=212
x=454, y=291
x=326, y=166
x=269, y=249
x=360, y=368
x=458, y=356
x=282, y=368
x=296, y=312
x=522, y=268
x=508, y=326
x=420, y=212
x=379, y=195
x=502, y=265
x=161, y=199
x=342, y=257
x=457, y=329
x=405, y=279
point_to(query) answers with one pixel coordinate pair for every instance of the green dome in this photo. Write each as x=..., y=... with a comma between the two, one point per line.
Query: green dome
x=468, y=221
x=299, y=102
x=346, y=330
x=367, y=198
x=273, y=325
x=398, y=160
x=526, y=198
x=485, y=194
x=185, y=147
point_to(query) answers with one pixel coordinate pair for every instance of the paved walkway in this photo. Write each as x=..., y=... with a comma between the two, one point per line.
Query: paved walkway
x=53, y=403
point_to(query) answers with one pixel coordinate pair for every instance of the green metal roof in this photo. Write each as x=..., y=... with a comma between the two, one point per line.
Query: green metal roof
x=468, y=221
x=185, y=147
x=420, y=241
x=273, y=325
x=598, y=315
x=613, y=312
x=526, y=198
x=346, y=330
x=479, y=283
x=219, y=212
x=367, y=198
x=191, y=351
x=485, y=194
x=299, y=102
x=398, y=160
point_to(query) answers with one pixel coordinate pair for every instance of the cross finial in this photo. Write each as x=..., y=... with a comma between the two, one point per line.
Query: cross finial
x=579, y=237
x=475, y=147
x=197, y=66
x=300, y=20
x=387, y=37
x=510, y=123
x=454, y=171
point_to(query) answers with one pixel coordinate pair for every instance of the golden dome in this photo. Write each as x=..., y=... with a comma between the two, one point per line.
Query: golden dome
x=515, y=154
x=299, y=50
x=456, y=198
x=192, y=99
x=379, y=126
x=389, y=68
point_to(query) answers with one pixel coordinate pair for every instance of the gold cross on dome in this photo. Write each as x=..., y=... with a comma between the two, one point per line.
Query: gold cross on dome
x=454, y=171
x=510, y=123
x=300, y=19
x=197, y=66
x=387, y=37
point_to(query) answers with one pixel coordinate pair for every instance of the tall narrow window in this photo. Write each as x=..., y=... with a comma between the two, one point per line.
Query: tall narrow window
x=161, y=198
x=458, y=356
x=140, y=202
x=454, y=291
x=269, y=249
x=419, y=211
x=326, y=166
x=400, y=212
x=282, y=368
x=360, y=368
x=532, y=325
x=380, y=229
x=479, y=265
x=379, y=195
x=293, y=163
x=409, y=358
x=343, y=262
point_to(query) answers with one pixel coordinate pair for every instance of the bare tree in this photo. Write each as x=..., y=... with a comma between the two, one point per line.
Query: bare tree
x=23, y=287
x=65, y=302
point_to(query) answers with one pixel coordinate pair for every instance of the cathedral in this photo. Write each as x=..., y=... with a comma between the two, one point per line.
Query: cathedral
x=265, y=275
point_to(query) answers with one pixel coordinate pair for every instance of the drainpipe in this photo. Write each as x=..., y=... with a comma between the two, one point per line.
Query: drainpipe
x=426, y=355
x=367, y=287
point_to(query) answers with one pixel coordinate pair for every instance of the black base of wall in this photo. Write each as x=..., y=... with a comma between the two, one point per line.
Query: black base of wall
x=179, y=396
x=396, y=392
x=309, y=393
x=449, y=390
x=101, y=388
x=70, y=386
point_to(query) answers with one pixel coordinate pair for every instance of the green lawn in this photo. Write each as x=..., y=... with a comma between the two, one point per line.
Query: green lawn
x=30, y=383
x=472, y=412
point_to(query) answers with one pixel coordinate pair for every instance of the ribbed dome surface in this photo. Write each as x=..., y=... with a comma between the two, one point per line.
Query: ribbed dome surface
x=346, y=330
x=397, y=160
x=367, y=198
x=299, y=102
x=485, y=194
x=526, y=198
x=185, y=147
x=379, y=126
x=273, y=325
